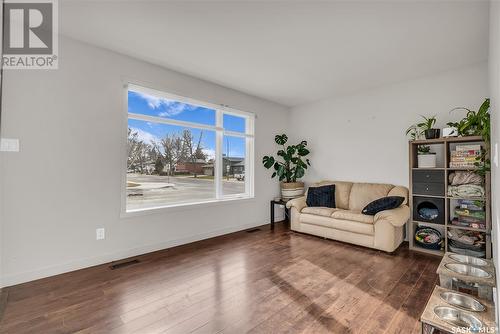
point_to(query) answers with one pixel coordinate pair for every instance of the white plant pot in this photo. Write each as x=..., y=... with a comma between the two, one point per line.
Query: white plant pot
x=426, y=160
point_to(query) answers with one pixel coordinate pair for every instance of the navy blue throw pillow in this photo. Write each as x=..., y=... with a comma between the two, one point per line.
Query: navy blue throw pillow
x=321, y=196
x=381, y=204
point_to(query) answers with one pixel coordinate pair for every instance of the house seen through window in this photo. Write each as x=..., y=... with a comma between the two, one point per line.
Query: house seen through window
x=181, y=151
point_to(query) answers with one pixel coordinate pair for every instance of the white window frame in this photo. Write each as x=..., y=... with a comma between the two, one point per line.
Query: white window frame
x=218, y=128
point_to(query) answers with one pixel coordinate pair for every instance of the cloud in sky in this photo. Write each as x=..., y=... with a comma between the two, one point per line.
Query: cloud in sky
x=209, y=152
x=145, y=136
x=168, y=107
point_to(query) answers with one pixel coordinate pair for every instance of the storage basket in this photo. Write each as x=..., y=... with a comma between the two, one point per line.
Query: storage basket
x=428, y=237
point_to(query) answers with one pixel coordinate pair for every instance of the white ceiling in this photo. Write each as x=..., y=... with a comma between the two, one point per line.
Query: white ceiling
x=290, y=52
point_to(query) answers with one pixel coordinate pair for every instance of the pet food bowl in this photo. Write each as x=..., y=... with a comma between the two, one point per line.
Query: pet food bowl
x=456, y=317
x=462, y=301
x=467, y=270
x=468, y=260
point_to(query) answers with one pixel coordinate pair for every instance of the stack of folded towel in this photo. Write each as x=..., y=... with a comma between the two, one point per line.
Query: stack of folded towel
x=465, y=184
x=468, y=212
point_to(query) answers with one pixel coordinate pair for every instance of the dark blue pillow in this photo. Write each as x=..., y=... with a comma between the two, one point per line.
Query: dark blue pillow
x=381, y=204
x=321, y=196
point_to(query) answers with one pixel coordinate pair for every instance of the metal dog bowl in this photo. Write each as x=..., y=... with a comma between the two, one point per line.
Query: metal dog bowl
x=462, y=301
x=468, y=260
x=465, y=269
x=456, y=317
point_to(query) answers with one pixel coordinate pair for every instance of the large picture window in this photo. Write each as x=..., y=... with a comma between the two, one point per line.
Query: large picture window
x=181, y=151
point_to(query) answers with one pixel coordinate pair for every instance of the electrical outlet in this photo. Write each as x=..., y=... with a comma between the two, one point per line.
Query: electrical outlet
x=100, y=234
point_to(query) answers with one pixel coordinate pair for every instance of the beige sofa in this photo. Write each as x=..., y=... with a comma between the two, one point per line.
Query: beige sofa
x=384, y=231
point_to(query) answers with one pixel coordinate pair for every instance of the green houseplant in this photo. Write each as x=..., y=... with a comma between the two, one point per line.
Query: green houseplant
x=425, y=158
x=426, y=128
x=289, y=166
x=477, y=123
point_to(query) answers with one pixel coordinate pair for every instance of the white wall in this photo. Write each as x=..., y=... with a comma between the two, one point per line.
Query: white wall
x=66, y=180
x=1, y=159
x=361, y=137
x=494, y=72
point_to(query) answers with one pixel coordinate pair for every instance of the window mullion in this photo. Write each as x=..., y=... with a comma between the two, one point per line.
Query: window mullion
x=249, y=157
x=218, y=155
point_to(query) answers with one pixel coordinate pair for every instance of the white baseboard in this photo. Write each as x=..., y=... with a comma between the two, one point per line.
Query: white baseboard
x=18, y=278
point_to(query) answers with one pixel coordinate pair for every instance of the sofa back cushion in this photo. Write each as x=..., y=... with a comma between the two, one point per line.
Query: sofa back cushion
x=364, y=193
x=342, y=191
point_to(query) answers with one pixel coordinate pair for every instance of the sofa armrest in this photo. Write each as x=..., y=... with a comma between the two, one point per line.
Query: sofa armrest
x=299, y=203
x=397, y=217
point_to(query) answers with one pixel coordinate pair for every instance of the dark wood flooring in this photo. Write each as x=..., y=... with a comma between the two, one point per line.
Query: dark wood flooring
x=260, y=282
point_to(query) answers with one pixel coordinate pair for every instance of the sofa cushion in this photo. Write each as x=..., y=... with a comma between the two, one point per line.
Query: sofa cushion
x=339, y=224
x=364, y=193
x=355, y=216
x=381, y=204
x=342, y=191
x=352, y=226
x=322, y=196
x=308, y=218
x=319, y=211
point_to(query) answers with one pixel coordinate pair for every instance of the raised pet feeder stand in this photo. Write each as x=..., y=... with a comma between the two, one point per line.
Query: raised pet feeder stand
x=467, y=274
x=448, y=311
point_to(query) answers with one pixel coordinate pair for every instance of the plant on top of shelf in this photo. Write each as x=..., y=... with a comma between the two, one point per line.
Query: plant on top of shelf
x=477, y=123
x=426, y=128
x=292, y=168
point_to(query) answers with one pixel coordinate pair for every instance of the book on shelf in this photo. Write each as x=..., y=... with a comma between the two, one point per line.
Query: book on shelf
x=471, y=204
x=468, y=164
x=464, y=159
x=478, y=225
x=471, y=147
x=475, y=214
x=462, y=154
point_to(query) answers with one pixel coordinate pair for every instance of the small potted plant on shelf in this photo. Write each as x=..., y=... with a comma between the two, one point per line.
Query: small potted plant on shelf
x=426, y=158
x=292, y=167
x=424, y=128
x=427, y=127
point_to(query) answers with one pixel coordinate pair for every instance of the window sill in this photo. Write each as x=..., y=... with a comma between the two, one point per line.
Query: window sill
x=185, y=206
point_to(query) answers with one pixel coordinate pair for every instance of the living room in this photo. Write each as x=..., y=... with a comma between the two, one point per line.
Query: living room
x=240, y=166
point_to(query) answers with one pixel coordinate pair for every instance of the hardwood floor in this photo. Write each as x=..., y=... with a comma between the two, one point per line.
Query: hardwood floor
x=260, y=282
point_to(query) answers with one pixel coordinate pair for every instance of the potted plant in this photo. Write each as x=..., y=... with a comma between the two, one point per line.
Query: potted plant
x=424, y=128
x=426, y=158
x=292, y=166
x=477, y=123
x=427, y=127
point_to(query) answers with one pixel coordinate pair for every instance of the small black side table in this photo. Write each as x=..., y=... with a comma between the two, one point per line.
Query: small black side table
x=287, y=212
